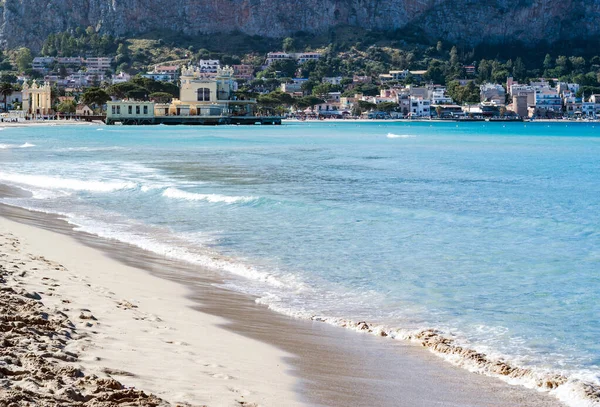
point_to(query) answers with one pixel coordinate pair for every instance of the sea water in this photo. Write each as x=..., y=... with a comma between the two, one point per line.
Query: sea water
x=487, y=232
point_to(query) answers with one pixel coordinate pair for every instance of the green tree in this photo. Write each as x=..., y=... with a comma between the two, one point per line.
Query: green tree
x=454, y=56
x=68, y=106
x=6, y=89
x=289, y=44
x=519, y=71
x=308, y=101
x=23, y=59
x=366, y=106
x=160, y=97
x=387, y=106
x=321, y=90
x=95, y=97
x=548, y=63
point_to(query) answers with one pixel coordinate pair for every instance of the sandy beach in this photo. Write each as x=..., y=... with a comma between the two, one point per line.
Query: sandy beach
x=144, y=323
x=131, y=327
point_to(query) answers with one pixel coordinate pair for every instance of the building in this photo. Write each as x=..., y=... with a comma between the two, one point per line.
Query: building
x=42, y=64
x=300, y=57
x=277, y=56
x=419, y=107
x=74, y=62
x=469, y=69
x=159, y=77
x=417, y=91
x=491, y=92
x=447, y=111
x=14, y=98
x=129, y=109
x=521, y=105
x=357, y=79
x=418, y=75
x=202, y=98
x=437, y=95
x=83, y=110
x=333, y=80
x=163, y=73
x=523, y=90
x=121, y=78
x=293, y=87
x=306, y=56
x=548, y=100
x=209, y=65
x=37, y=99
x=243, y=72
x=98, y=64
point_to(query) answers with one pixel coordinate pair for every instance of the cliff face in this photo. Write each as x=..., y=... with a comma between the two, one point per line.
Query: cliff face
x=28, y=22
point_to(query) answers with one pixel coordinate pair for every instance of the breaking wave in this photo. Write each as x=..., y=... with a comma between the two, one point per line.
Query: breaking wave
x=46, y=182
x=392, y=135
x=9, y=146
x=175, y=193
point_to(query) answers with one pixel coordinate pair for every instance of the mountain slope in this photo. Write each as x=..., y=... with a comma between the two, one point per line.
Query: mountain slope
x=28, y=22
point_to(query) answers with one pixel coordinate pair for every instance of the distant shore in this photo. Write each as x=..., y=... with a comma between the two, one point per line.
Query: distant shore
x=29, y=123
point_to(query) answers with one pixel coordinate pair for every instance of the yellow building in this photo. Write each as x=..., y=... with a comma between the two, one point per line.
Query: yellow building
x=37, y=99
x=204, y=94
x=203, y=99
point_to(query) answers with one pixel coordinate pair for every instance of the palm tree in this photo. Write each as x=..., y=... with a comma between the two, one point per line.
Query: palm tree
x=6, y=89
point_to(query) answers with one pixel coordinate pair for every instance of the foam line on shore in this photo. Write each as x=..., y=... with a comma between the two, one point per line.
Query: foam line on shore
x=571, y=390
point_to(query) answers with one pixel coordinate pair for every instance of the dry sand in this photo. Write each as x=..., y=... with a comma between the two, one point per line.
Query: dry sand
x=149, y=335
x=141, y=329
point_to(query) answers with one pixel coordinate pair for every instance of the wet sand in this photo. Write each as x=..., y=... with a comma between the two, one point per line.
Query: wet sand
x=331, y=366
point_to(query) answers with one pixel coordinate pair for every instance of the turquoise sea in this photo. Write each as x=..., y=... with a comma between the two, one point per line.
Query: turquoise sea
x=487, y=232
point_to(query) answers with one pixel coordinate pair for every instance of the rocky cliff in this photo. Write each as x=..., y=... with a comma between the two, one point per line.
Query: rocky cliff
x=28, y=22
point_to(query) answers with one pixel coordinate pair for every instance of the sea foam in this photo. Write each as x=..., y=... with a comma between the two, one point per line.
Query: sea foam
x=175, y=193
x=9, y=146
x=47, y=182
x=392, y=135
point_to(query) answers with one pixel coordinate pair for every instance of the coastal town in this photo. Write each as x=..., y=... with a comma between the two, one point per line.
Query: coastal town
x=282, y=85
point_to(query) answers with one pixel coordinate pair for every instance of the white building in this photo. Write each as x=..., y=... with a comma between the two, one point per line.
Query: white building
x=333, y=80
x=121, y=77
x=419, y=107
x=209, y=65
x=98, y=64
x=548, y=99
x=306, y=56
x=300, y=57
x=394, y=75
x=437, y=95
x=492, y=92
x=42, y=64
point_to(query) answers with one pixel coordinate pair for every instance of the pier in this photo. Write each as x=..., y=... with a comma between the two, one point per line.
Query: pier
x=196, y=120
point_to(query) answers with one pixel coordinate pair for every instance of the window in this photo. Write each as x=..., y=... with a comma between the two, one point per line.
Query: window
x=130, y=110
x=145, y=109
x=137, y=109
x=203, y=95
x=114, y=109
x=118, y=109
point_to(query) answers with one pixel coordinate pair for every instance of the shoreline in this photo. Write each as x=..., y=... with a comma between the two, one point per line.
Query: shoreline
x=332, y=366
x=43, y=123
